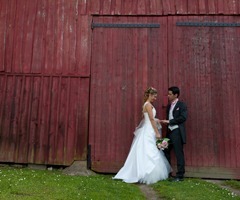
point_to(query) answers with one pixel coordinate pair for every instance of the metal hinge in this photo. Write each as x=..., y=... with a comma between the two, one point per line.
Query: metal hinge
x=214, y=24
x=124, y=25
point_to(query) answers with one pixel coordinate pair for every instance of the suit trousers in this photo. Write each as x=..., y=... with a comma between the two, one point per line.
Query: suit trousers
x=177, y=145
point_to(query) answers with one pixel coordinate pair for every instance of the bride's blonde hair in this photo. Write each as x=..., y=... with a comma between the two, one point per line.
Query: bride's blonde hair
x=149, y=91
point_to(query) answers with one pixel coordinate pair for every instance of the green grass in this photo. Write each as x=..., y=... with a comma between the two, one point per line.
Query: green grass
x=27, y=184
x=234, y=184
x=192, y=189
x=50, y=185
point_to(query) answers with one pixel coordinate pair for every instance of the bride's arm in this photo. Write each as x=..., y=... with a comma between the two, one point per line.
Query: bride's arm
x=153, y=122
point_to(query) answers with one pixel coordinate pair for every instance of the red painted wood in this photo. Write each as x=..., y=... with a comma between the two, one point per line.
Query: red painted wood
x=206, y=74
x=49, y=53
x=48, y=123
x=117, y=92
x=3, y=28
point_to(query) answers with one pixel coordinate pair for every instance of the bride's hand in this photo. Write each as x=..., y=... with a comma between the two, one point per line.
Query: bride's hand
x=164, y=121
x=158, y=136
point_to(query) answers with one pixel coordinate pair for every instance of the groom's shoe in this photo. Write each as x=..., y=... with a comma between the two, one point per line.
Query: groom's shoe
x=177, y=179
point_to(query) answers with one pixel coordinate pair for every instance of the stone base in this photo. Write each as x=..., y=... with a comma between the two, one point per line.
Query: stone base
x=78, y=168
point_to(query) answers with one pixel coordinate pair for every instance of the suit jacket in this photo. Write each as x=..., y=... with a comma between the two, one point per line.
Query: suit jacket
x=179, y=118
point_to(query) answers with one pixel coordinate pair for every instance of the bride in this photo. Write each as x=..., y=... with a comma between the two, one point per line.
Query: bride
x=145, y=162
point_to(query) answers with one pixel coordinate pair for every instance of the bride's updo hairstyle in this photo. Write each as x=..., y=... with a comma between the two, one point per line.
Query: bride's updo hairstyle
x=149, y=91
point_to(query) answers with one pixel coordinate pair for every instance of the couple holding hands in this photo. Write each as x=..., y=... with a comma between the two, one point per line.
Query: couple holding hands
x=145, y=162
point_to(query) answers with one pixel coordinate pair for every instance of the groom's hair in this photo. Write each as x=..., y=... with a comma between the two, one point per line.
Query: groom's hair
x=175, y=90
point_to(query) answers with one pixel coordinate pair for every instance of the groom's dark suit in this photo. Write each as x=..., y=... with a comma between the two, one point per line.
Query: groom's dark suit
x=177, y=136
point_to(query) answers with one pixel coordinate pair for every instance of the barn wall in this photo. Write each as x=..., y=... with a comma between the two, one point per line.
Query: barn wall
x=47, y=81
x=45, y=78
x=43, y=119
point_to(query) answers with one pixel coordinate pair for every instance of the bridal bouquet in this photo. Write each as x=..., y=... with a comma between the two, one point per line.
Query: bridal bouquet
x=162, y=143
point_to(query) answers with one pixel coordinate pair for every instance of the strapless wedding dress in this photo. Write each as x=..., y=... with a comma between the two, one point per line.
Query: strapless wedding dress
x=145, y=163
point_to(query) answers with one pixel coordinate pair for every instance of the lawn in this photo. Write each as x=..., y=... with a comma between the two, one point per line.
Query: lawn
x=193, y=189
x=50, y=185
x=28, y=184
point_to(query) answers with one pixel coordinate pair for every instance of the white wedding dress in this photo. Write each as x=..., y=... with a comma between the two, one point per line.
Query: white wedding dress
x=145, y=162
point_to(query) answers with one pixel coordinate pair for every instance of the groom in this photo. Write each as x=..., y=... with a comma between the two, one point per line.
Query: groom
x=176, y=117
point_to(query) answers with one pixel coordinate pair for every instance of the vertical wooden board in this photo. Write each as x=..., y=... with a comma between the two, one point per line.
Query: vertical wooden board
x=81, y=7
x=18, y=38
x=53, y=121
x=141, y=7
x=10, y=35
x=3, y=29
x=58, y=45
x=50, y=60
x=7, y=152
x=83, y=47
x=72, y=29
x=128, y=8
x=152, y=7
x=66, y=38
x=94, y=6
x=231, y=7
x=3, y=82
x=41, y=156
x=167, y=7
x=105, y=7
x=193, y=7
x=82, y=120
x=24, y=122
x=62, y=124
x=203, y=7
x=118, y=7
x=39, y=38
x=181, y=6
x=28, y=35
x=212, y=7
x=72, y=121
x=220, y=5
x=15, y=114
x=34, y=137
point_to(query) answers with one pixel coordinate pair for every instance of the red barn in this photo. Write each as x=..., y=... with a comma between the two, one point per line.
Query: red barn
x=73, y=72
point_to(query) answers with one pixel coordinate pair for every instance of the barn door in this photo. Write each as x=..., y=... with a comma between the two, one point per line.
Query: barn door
x=204, y=62
x=128, y=55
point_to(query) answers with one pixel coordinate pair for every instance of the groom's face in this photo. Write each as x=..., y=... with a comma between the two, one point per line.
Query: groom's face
x=171, y=96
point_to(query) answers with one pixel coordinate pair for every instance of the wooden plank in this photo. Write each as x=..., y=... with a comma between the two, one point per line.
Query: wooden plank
x=83, y=46
x=166, y=7
x=39, y=42
x=34, y=137
x=94, y=6
x=193, y=7
x=220, y=5
x=24, y=121
x=128, y=7
x=50, y=58
x=67, y=45
x=203, y=7
x=181, y=6
x=81, y=7
x=105, y=7
x=3, y=29
x=141, y=7
x=212, y=7
x=18, y=38
x=10, y=35
x=41, y=155
x=28, y=35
